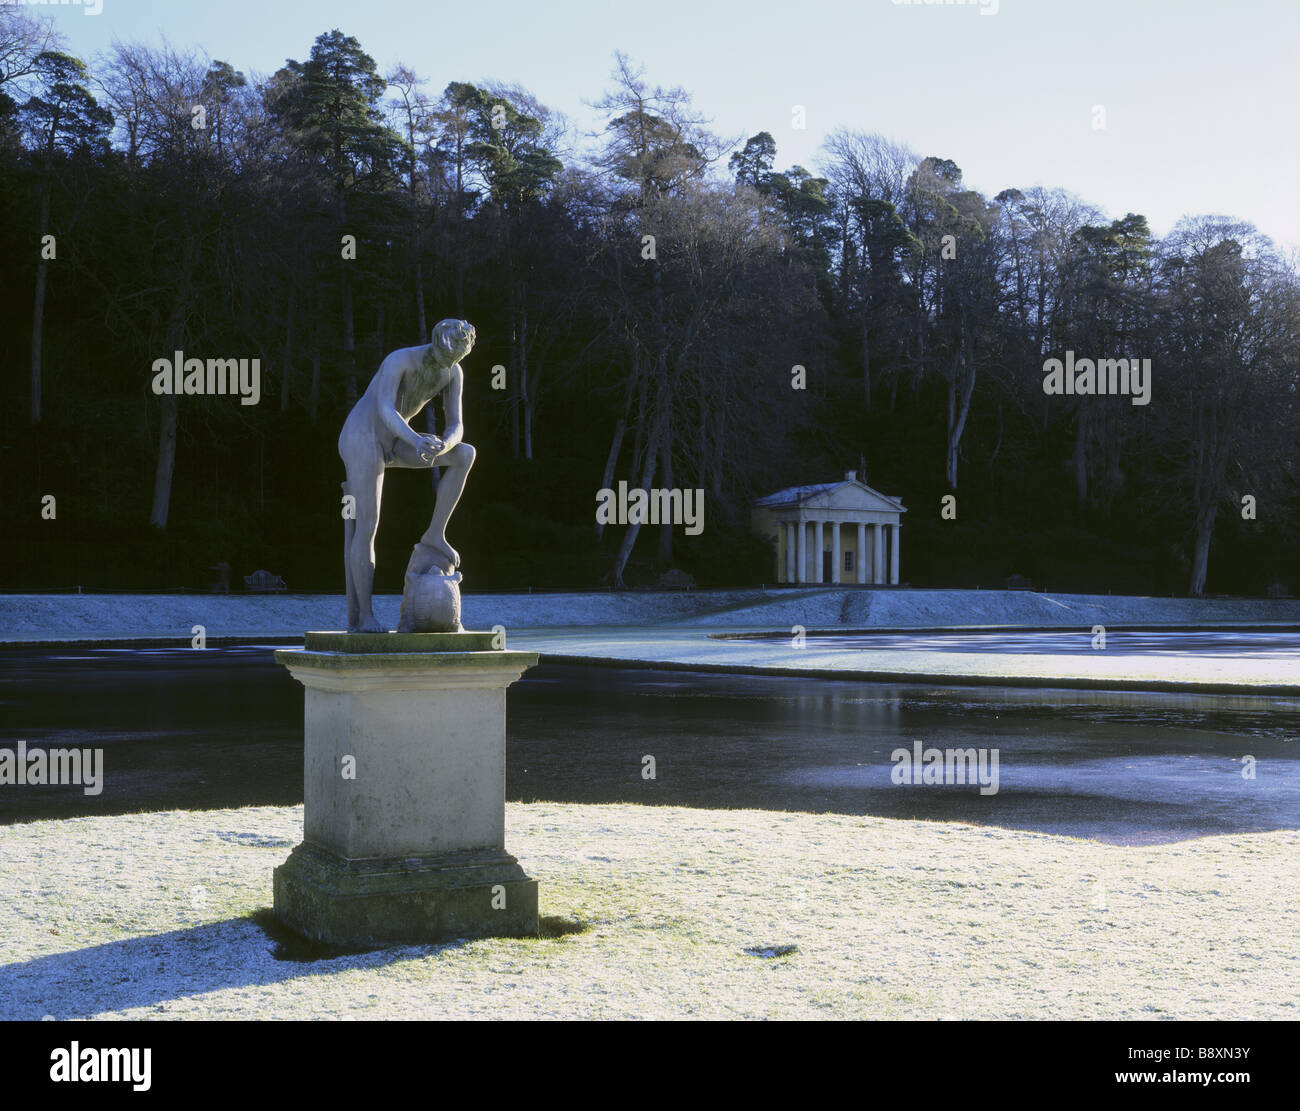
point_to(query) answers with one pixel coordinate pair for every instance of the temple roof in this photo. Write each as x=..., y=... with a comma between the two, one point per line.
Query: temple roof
x=829, y=492
x=793, y=495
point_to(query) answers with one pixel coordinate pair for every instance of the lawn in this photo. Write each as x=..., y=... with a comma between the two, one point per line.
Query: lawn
x=659, y=912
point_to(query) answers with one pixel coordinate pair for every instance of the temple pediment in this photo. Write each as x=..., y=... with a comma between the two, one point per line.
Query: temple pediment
x=851, y=494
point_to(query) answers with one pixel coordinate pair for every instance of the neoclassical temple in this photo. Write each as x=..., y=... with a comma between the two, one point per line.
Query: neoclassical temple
x=834, y=532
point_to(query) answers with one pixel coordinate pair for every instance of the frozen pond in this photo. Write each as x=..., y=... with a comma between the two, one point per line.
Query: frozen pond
x=223, y=727
x=1213, y=643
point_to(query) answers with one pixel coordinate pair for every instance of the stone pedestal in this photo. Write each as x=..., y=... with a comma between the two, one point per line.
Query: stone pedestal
x=404, y=791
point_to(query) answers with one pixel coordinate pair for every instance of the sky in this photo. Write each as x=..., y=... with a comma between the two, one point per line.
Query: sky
x=1201, y=100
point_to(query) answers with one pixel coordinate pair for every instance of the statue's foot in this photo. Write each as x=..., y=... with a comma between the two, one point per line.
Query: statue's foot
x=427, y=561
x=367, y=626
x=453, y=556
x=429, y=554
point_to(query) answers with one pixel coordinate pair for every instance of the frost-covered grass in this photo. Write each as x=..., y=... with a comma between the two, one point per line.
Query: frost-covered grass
x=27, y=617
x=148, y=915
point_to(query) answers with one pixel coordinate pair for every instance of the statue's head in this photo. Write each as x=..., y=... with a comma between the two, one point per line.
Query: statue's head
x=453, y=339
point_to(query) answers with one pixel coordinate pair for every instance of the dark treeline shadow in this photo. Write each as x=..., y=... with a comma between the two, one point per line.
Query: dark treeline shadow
x=655, y=306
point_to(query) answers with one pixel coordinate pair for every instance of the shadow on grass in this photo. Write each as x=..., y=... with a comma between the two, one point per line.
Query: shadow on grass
x=147, y=971
x=289, y=945
x=292, y=946
x=237, y=952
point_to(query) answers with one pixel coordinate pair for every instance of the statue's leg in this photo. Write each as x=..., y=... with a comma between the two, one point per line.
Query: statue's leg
x=456, y=464
x=349, y=531
x=367, y=487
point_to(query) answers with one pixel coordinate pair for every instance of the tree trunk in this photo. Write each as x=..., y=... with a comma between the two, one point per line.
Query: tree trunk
x=662, y=403
x=611, y=460
x=666, y=527
x=958, y=410
x=630, y=534
x=162, y=482
x=168, y=423
x=1201, y=550
x=616, y=444
x=642, y=416
x=38, y=311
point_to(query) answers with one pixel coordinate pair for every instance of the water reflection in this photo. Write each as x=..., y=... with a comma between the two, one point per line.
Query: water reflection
x=1211, y=643
x=223, y=727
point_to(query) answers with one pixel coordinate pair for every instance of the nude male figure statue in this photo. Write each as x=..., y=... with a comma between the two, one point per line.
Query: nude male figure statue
x=377, y=435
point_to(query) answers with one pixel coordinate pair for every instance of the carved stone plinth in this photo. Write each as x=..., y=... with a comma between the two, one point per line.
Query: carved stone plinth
x=404, y=792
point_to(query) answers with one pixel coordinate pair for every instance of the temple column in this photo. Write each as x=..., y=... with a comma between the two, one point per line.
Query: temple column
x=801, y=561
x=835, y=552
x=818, y=577
x=787, y=537
x=893, y=554
x=862, y=553
x=877, y=555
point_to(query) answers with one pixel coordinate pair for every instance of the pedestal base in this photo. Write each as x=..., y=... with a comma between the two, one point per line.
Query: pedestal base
x=414, y=900
x=404, y=785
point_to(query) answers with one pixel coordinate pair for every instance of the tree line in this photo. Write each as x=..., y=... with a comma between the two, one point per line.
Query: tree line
x=656, y=303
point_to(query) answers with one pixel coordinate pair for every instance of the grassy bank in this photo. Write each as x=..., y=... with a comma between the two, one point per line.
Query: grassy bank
x=151, y=915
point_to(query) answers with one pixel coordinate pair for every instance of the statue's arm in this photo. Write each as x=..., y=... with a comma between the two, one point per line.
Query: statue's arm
x=386, y=404
x=455, y=430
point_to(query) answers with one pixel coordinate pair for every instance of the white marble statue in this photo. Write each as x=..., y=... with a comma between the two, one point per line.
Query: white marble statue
x=377, y=435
